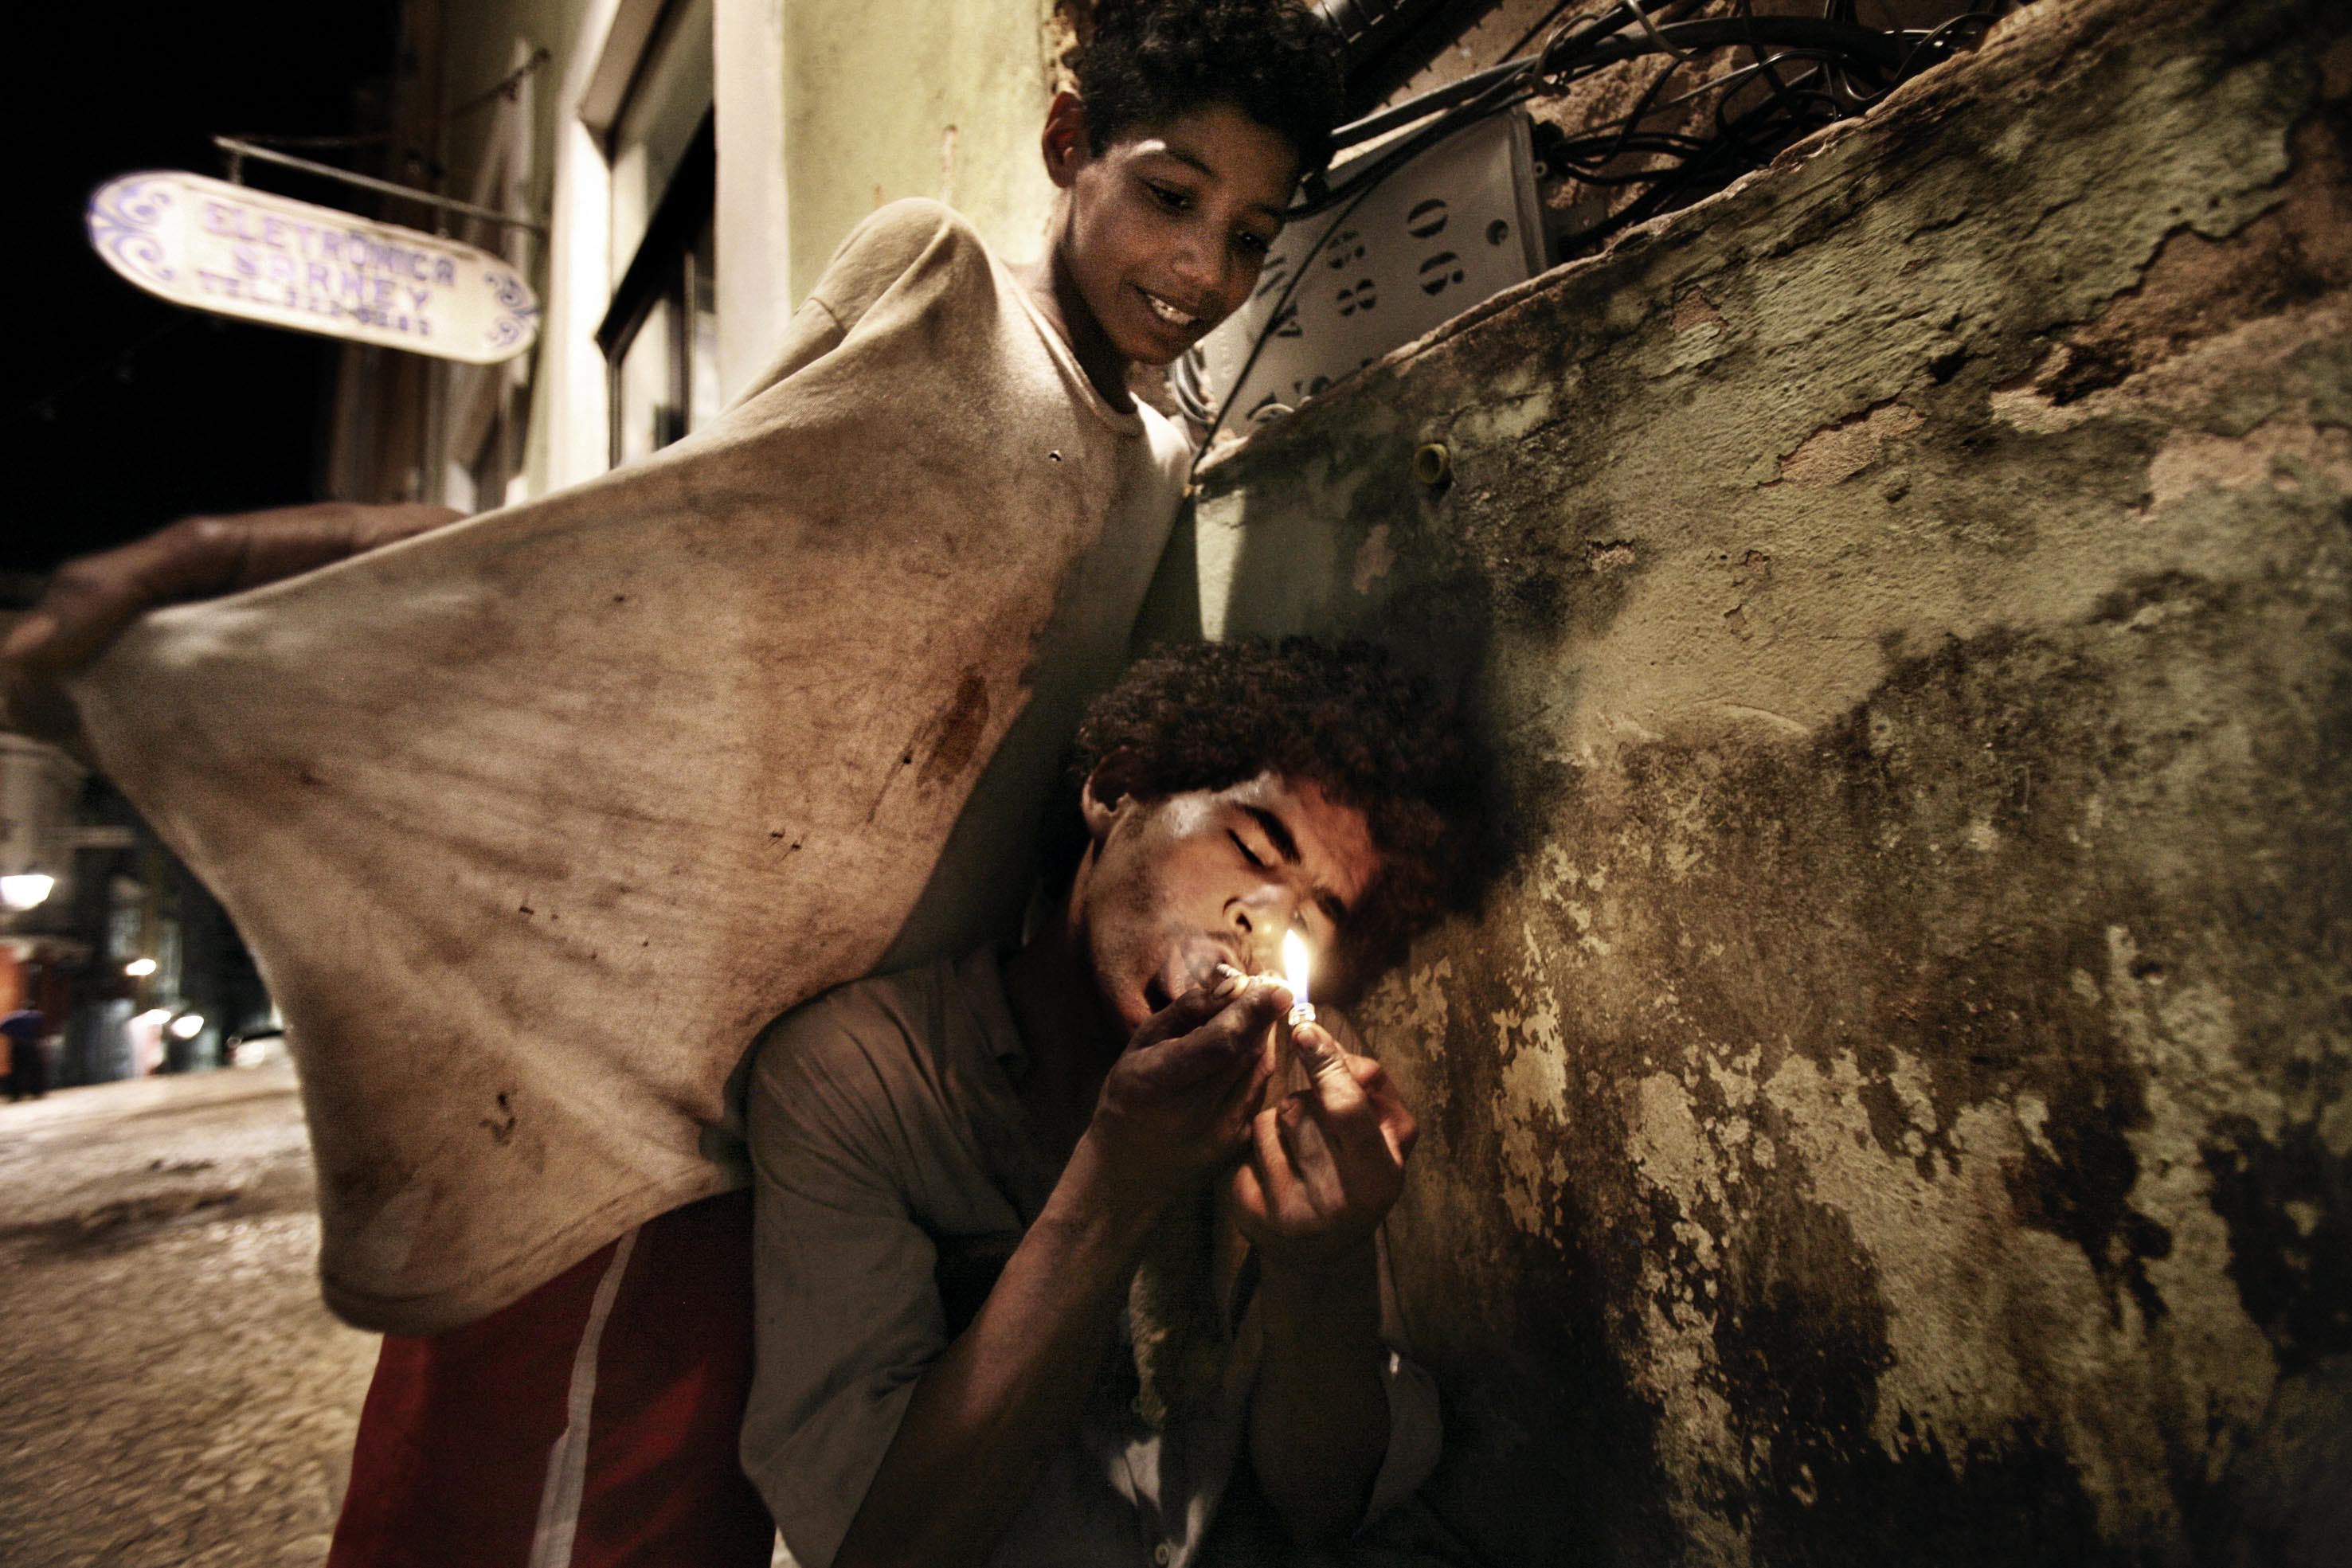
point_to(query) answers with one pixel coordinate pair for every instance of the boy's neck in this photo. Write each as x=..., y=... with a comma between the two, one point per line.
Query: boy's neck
x=1067, y=1031
x=1050, y=284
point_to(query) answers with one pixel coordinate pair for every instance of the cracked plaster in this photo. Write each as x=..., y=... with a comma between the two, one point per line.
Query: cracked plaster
x=1893, y=1100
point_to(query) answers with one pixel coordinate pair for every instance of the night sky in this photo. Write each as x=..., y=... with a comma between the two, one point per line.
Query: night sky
x=122, y=412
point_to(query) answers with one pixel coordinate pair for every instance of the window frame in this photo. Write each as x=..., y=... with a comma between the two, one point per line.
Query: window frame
x=665, y=256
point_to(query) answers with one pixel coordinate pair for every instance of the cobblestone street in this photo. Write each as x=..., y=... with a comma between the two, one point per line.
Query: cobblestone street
x=172, y=1391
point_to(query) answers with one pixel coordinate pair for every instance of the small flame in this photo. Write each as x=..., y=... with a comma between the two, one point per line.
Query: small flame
x=1295, y=965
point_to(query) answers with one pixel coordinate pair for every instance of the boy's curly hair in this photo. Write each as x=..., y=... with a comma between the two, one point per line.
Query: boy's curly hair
x=1203, y=715
x=1277, y=61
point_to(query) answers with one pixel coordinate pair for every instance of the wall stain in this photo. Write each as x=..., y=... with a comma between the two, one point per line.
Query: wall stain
x=1891, y=1102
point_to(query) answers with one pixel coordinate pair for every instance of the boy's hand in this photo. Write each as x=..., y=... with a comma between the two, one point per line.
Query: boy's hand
x=1176, y=1107
x=1326, y=1163
x=90, y=601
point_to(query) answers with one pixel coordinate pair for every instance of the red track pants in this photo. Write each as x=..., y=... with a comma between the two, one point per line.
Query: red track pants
x=591, y=1425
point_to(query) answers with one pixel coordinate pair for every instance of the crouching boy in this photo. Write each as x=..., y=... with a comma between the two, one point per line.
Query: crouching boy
x=1065, y=1251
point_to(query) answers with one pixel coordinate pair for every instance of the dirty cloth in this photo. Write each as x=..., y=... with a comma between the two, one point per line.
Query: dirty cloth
x=889, y=1137
x=532, y=822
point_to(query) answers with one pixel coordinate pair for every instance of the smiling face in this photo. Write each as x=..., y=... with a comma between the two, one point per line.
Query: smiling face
x=1171, y=888
x=1165, y=228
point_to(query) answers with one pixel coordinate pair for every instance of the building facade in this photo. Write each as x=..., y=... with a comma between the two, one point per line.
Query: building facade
x=679, y=172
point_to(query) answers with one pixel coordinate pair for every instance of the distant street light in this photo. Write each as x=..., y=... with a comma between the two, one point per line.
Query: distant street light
x=187, y=1025
x=139, y=968
x=25, y=891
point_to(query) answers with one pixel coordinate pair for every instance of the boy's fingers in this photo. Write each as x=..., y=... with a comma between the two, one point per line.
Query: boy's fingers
x=1241, y=1100
x=1192, y=1009
x=89, y=601
x=1403, y=1130
x=1270, y=1160
x=1328, y=1071
x=1381, y=1093
x=1227, y=1040
x=1250, y=1014
x=1318, y=1052
x=1249, y=1193
x=1385, y=1106
x=1309, y=1149
x=84, y=607
x=36, y=707
x=1181, y=1016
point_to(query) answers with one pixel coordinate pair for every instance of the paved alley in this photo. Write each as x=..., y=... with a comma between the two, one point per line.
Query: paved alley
x=172, y=1391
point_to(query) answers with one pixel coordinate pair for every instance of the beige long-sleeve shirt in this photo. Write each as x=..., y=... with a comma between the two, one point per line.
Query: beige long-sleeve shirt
x=532, y=822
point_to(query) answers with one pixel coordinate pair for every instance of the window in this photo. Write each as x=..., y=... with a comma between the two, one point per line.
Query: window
x=660, y=338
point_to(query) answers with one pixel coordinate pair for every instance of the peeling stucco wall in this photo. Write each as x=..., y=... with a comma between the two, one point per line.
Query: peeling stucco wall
x=888, y=98
x=1892, y=1106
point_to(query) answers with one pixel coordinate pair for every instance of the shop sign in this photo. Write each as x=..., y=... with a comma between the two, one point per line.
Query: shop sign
x=213, y=245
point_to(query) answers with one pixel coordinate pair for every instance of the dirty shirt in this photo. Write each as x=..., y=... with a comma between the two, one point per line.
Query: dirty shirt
x=891, y=1146
x=532, y=822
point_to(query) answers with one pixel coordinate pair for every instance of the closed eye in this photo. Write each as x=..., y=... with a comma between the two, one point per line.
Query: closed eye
x=1247, y=854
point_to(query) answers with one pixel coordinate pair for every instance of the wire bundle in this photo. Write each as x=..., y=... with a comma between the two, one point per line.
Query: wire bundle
x=1814, y=70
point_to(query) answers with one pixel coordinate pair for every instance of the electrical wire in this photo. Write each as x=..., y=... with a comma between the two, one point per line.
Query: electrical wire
x=1544, y=21
x=1513, y=65
x=1935, y=39
x=1641, y=16
x=1835, y=47
x=1576, y=50
x=1745, y=11
x=505, y=87
x=1643, y=106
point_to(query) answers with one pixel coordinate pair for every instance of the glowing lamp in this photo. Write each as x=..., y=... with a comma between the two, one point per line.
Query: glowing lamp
x=187, y=1025
x=139, y=968
x=25, y=891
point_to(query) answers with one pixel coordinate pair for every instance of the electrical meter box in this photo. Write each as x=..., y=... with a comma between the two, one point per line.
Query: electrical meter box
x=1456, y=225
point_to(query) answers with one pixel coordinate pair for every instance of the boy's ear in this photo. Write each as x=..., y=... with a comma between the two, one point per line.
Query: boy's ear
x=1065, y=142
x=1115, y=780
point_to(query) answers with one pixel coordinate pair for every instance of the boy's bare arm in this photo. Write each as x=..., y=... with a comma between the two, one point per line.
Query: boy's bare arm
x=90, y=601
x=1326, y=1165
x=988, y=1413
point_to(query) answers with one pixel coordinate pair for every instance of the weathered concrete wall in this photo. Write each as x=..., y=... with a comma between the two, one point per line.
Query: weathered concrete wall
x=886, y=98
x=1894, y=1106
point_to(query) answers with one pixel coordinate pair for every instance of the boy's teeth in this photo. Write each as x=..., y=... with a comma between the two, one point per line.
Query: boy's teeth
x=1167, y=312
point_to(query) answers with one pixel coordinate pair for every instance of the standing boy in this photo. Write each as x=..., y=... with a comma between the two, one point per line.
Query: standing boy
x=946, y=465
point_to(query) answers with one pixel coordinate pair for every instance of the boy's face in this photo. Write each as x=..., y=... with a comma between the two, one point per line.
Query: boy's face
x=1168, y=224
x=1174, y=887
